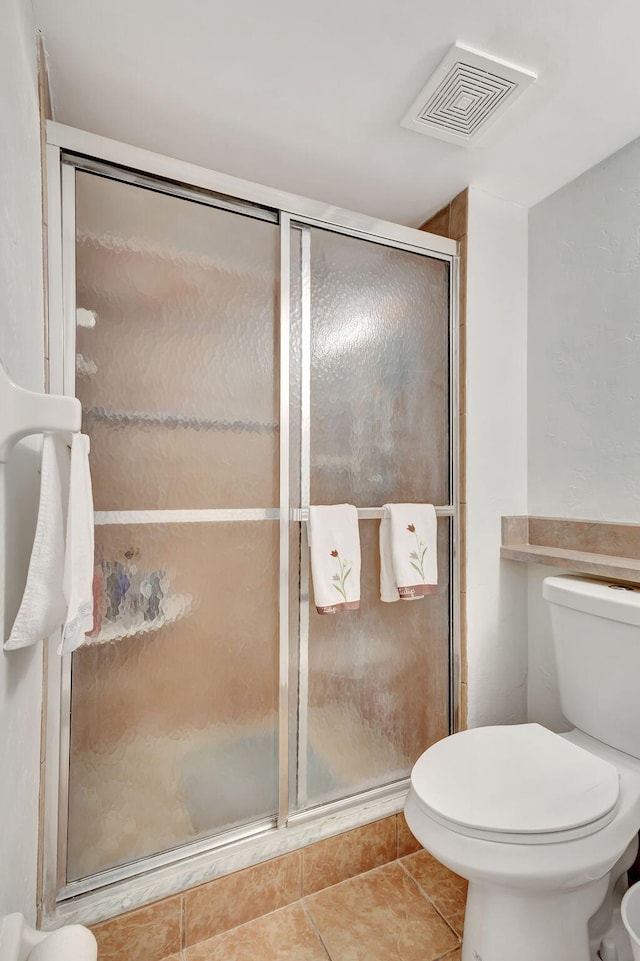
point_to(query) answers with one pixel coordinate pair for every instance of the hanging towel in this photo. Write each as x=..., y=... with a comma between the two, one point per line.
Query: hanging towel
x=334, y=542
x=408, y=552
x=43, y=608
x=77, y=583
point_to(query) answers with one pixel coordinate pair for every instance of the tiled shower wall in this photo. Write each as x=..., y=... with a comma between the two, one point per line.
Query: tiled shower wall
x=166, y=927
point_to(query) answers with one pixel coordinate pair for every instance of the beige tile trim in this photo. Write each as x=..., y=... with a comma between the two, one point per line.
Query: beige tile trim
x=599, y=548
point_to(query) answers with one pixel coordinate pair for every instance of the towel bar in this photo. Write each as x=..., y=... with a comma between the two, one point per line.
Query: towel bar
x=24, y=412
x=368, y=513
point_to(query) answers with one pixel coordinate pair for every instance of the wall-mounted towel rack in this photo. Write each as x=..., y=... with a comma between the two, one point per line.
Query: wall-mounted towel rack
x=368, y=513
x=24, y=412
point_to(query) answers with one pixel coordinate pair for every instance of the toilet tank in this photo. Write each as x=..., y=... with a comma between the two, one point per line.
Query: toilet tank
x=596, y=637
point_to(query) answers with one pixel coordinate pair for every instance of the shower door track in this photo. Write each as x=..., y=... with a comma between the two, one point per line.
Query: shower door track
x=123, y=887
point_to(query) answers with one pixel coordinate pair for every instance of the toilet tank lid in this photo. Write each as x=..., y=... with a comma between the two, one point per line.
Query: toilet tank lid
x=616, y=602
x=514, y=779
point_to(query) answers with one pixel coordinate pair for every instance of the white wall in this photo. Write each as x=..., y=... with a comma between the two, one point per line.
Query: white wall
x=583, y=371
x=584, y=345
x=21, y=352
x=496, y=457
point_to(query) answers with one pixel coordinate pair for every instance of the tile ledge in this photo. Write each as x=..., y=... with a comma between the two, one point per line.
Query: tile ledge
x=582, y=562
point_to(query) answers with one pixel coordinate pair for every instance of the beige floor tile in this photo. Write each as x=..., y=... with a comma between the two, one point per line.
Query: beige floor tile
x=147, y=934
x=447, y=890
x=380, y=916
x=237, y=898
x=456, y=956
x=285, y=935
x=407, y=844
x=336, y=859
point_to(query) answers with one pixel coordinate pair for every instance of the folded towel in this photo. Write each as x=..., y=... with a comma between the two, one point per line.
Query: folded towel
x=43, y=607
x=77, y=581
x=408, y=552
x=334, y=542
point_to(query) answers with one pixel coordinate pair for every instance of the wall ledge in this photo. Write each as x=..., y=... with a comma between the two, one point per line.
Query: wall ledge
x=598, y=548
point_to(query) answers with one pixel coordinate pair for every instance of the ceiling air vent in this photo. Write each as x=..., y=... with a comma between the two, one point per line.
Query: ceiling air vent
x=466, y=95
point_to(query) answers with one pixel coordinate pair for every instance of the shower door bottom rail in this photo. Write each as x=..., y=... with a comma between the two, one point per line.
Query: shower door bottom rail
x=222, y=845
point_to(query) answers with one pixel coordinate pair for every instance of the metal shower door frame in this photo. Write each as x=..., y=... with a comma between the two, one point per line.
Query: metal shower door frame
x=163, y=874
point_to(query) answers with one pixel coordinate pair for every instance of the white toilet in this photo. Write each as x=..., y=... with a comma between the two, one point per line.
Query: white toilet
x=19, y=942
x=543, y=825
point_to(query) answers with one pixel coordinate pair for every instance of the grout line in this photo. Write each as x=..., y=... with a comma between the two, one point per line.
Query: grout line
x=183, y=921
x=238, y=927
x=354, y=877
x=313, y=924
x=427, y=898
x=397, y=836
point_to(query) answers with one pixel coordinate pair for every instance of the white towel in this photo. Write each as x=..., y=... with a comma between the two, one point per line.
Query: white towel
x=43, y=607
x=334, y=542
x=77, y=582
x=59, y=589
x=408, y=552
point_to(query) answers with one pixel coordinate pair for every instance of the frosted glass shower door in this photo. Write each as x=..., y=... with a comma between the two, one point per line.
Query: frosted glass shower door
x=174, y=702
x=236, y=364
x=375, y=682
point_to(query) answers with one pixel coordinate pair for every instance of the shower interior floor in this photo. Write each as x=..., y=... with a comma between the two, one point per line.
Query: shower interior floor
x=411, y=909
x=165, y=788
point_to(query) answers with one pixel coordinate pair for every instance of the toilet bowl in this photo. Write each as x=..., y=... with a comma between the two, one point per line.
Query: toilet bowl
x=543, y=825
x=531, y=891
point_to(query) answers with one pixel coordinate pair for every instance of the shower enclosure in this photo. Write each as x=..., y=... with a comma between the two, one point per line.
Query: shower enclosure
x=236, y=362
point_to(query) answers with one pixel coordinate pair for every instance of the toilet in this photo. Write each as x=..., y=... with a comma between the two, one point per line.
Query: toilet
x=544, y=826
x=20, y=942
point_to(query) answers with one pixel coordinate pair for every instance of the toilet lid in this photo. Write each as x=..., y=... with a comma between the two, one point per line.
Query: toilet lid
x=514, y=780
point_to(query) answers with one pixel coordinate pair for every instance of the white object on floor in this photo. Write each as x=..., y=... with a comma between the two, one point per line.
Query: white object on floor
x=334, y=544
x=19, y=942
x=43, y=607
x=78, y=560
x=408, y=552
x=630, y=911
x=544, y=826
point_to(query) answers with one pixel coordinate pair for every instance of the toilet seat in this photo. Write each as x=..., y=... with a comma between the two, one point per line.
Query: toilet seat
x=518, y=784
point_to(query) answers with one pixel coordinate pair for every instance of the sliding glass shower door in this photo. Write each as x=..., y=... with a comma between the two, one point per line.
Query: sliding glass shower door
x=200, y=376
x=375, y=686
x=174, y=701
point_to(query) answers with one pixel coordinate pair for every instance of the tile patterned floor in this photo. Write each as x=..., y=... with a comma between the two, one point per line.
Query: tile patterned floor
x=411, y=909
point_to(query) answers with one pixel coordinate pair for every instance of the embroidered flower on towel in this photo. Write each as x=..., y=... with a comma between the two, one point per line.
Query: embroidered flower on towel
x=417, y=559
x=339, y=580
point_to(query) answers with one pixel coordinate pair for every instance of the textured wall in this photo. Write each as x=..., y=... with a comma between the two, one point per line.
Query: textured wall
x=583, y=372
x=21, y=352
x=584, y=345
x=496, y=457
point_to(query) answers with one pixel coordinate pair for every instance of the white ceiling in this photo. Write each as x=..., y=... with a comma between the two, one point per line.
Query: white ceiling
x=308, y=96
